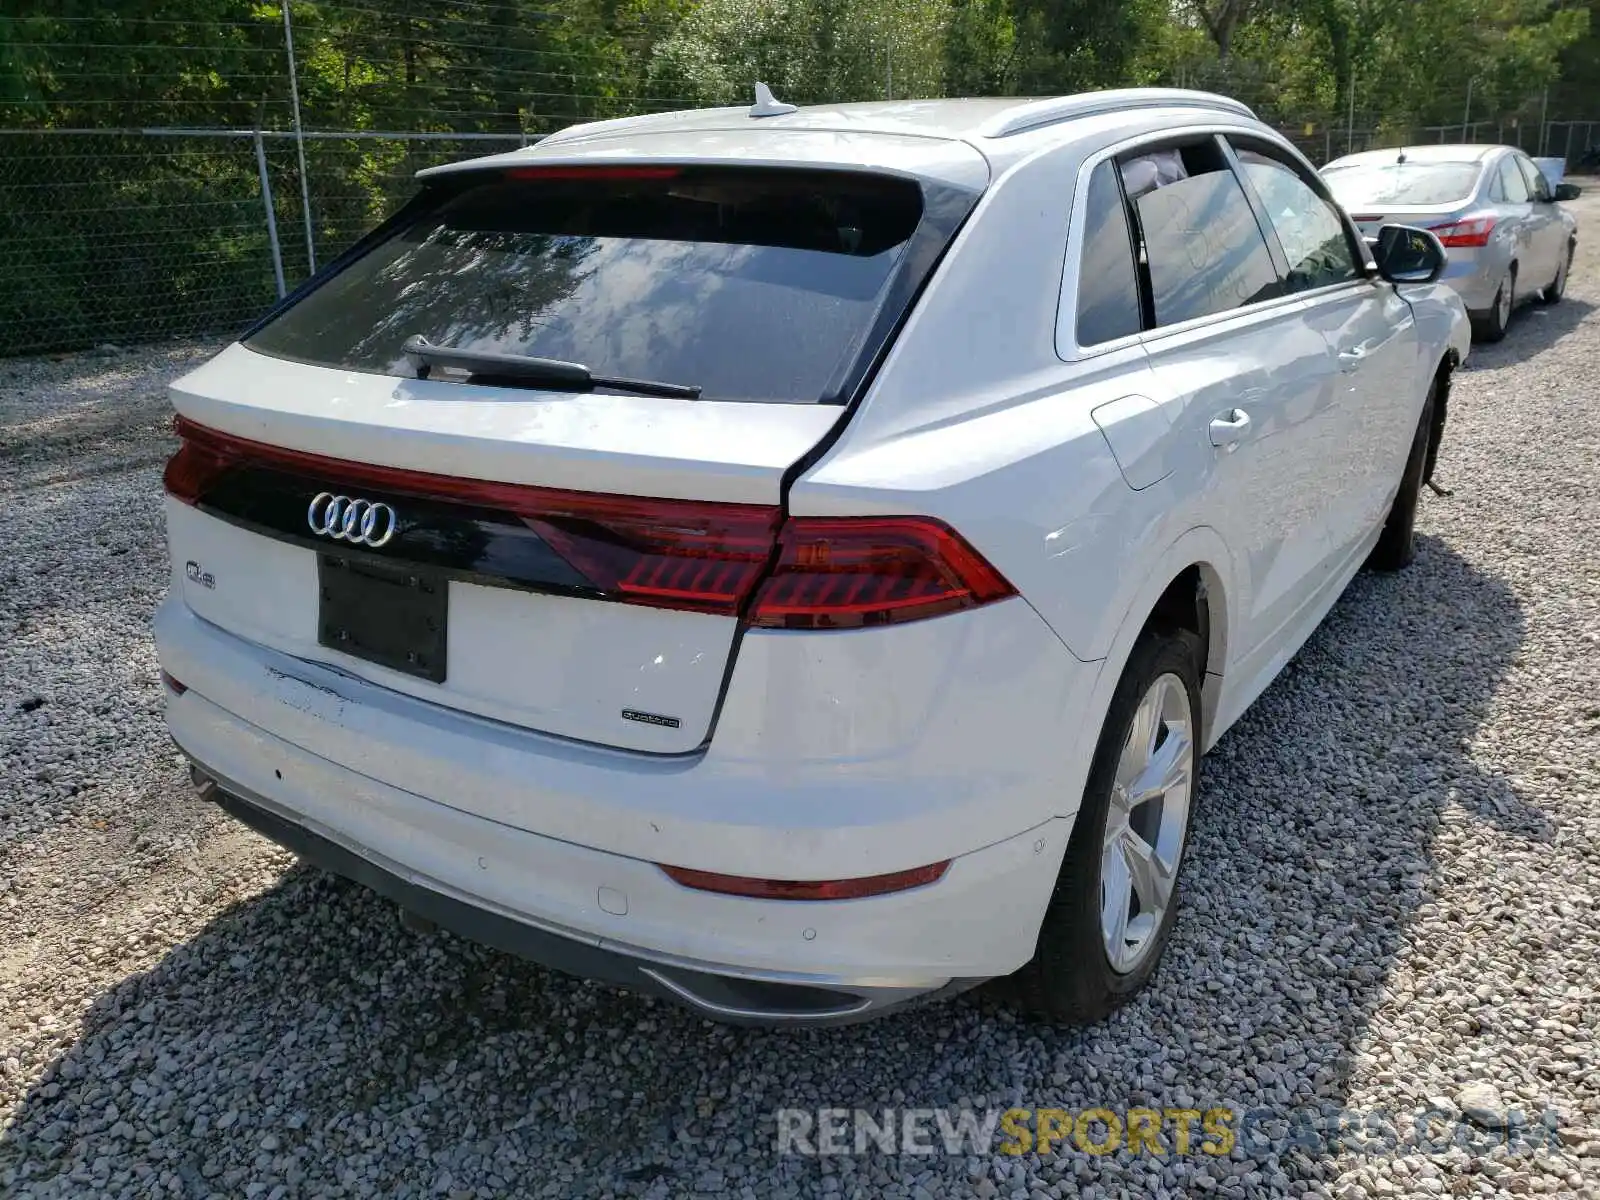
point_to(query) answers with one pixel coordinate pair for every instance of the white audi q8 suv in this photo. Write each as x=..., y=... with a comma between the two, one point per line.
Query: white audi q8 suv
x=792, y=561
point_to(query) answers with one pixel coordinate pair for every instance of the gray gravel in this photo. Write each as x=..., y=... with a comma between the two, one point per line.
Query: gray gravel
x=1390, y=900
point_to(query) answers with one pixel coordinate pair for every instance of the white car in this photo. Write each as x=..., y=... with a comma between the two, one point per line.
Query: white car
x=792, y=561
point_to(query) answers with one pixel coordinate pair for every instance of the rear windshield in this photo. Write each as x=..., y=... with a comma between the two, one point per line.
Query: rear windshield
x=751, y=284
x=1392, y=184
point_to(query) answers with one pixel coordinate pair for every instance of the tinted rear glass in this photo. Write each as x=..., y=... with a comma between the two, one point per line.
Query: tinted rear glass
x=1108, y=288
x=1392, y=184
x=755, y=285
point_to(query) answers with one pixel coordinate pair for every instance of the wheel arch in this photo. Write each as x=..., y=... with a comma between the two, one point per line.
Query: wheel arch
x=1191, y=586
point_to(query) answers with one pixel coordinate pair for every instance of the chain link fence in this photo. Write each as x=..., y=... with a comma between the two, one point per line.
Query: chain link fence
x=124, y=235
x=119, y=236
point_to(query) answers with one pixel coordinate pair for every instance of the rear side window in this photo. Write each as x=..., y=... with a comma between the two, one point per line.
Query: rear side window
x=753, y=284
x=1108, y=288
x=1512, y=184
x=1538, y=186
x=1201, y=245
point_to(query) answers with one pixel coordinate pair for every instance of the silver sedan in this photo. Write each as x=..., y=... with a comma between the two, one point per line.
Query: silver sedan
x=1496, y=211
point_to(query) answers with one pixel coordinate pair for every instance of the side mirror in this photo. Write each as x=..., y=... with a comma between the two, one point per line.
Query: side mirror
x=1568, y=191
x=1407, y=255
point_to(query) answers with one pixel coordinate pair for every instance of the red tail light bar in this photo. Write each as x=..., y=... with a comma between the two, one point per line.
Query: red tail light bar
x=740, y=560
x=1470, y=231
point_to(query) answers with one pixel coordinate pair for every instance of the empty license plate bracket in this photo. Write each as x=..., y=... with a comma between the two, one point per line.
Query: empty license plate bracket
x=391, y=614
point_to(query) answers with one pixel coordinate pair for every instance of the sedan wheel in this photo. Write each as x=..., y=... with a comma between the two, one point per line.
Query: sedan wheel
x=1492, y=326
x=1146, y=824
x=1558, y=288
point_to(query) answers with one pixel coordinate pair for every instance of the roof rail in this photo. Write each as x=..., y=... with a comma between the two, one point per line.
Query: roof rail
x=1087, y=104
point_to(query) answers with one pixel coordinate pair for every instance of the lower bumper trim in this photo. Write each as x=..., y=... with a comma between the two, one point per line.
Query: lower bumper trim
x=733, y=999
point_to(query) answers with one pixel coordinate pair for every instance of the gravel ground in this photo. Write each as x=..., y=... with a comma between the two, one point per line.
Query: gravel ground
x=1389, y=901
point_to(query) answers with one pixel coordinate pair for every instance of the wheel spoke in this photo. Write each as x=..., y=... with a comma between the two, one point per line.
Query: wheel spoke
x=1116, y=900
x=1142, y=735
x=1150, y=876
x=1167, y=768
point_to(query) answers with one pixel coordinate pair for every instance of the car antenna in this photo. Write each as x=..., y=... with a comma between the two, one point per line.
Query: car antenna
x=1402, y=157
x=768, y=105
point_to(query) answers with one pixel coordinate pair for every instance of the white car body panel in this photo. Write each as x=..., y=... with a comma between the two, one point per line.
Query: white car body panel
x=1086, y=478
x=633, y=445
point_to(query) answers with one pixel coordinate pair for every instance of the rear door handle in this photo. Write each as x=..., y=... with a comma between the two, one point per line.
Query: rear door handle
x=1349, y=360
x=1228, y=430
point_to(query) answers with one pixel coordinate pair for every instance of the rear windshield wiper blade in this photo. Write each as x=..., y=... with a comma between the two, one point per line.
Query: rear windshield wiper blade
x=548, y=372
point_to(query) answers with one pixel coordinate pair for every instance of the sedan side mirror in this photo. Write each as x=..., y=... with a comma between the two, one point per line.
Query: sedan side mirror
x=1568, y=191
x=1407, y=255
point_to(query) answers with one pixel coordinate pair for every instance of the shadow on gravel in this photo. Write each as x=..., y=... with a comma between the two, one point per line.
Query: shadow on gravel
x=303, y=1038
x=1534, y=327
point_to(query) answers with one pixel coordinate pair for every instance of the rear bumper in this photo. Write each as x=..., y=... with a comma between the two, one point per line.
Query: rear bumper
x=601, y=911
x=766, y=999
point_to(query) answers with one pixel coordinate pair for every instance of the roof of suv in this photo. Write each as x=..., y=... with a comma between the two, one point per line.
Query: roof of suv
x=920, y=136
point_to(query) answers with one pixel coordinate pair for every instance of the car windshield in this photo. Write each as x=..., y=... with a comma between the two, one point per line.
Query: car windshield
x=750, y=284
x=1390, y=184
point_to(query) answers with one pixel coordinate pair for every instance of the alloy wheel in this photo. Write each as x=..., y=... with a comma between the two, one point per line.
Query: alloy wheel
x=1146, y=823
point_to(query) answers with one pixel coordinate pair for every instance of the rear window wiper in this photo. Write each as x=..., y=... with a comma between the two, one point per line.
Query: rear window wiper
x=528, y=368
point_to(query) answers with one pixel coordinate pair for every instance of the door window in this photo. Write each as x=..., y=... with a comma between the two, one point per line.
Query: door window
x=1309, y=228
x=1512, y=182
x=1199, y=243
x=1108, y=287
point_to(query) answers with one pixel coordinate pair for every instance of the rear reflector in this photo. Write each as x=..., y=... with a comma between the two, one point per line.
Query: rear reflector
x=847, y=572
x=1473, y=231
x=828, y=889
x=728, y=559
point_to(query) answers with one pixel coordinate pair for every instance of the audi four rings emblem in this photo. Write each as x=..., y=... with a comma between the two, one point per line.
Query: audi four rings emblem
x=351, y=520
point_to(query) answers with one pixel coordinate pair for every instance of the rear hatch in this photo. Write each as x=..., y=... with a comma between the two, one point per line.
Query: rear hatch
x=564, y=554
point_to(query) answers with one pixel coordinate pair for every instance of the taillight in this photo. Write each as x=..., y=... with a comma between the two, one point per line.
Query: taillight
x=202, y=459
x=797, y=889
x=728, y=559
x=846, y=572
x=664, y=553
x=1472, y=231
x=174, y=684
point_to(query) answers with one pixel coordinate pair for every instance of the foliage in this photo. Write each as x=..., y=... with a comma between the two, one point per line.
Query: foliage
x=92, y=229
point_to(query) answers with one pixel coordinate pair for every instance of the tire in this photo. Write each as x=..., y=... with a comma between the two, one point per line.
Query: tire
x=1071, y=977
x=1557, y=288
x=1397, y=544
x=1491, y=326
